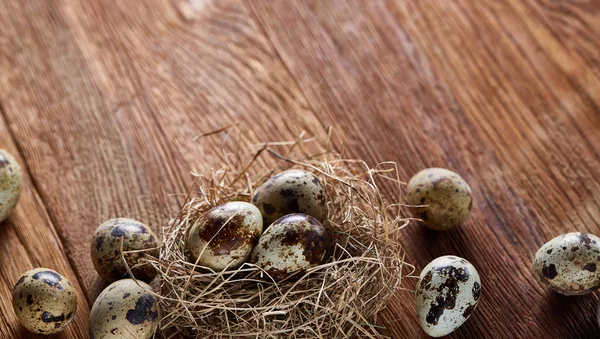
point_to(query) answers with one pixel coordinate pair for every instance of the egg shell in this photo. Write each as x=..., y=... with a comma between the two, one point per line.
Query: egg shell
x=11, y=183
x=447, y=293
x=291, y=191
x=225, y=235
x=106, y=249
x=568, y=263
x=125, y=309
x=292, y=243
x=44, y=301
x=446, y=194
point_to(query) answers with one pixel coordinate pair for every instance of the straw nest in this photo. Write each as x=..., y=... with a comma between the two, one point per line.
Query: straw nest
x=364, y=265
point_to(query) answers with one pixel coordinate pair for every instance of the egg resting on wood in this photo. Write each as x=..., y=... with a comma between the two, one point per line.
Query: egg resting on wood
x=106, y=249
x=44, y=301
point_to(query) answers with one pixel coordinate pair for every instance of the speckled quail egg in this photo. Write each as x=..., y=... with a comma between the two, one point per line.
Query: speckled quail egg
x=106, y=249
x=568, y=263
x=291, y=191
x=44, y=301
x=11, y=183
x=224, y=236
x=446, y=194
x=447, y=293
x=125, y=309
x=292, y=243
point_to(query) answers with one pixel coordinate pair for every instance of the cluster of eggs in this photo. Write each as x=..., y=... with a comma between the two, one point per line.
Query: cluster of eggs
x=449, y=287
x=291, y=203
x=280, y=231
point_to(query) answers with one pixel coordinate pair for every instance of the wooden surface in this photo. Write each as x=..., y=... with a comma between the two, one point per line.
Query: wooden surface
x=100, y=101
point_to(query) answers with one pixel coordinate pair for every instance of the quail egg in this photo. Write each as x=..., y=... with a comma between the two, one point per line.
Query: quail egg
x=292, y=243
x=447, y=293
x=44, y=301
x=568, y=263
x=106, y=249
x=446, y=195
x=224, y=236
x=11, y=183
x=125, y=309
x=292, y=191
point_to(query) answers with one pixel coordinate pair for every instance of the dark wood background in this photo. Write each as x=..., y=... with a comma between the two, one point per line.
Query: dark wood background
x=100, y=101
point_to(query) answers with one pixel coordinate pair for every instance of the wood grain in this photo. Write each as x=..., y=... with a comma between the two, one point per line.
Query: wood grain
x=102, y=101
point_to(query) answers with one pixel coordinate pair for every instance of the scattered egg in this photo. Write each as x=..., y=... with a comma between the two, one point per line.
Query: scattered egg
x=125, y=309
x=106, y=249
x=446, y=195
x=447, y=293
x=292, y=243
x=44, y=301
x=225, y=235
x=11, y=183
x=568, y=263
x=292, y=191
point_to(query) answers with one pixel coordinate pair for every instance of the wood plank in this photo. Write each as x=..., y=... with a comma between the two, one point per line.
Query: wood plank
x=126, y=88
x=443, y=84
x=29, y=240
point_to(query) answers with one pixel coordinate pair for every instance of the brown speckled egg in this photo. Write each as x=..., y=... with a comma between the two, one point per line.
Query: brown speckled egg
x=292, y=191
x=292, y=243
x=446, y=194
x=568, y=264
x=106, y=249
x=448, y=292
x=44, y=301
x=11, y=183
x=126, y=309
x=225, y=235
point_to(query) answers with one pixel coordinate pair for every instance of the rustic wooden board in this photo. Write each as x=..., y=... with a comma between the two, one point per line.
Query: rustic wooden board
x=102, y=100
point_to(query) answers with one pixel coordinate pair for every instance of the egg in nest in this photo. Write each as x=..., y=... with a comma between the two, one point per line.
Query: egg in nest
x=291, y=191
x=292, y=243
x=223, y=237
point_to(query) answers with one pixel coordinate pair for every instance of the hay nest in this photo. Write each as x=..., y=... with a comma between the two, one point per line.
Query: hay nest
x=364, y=265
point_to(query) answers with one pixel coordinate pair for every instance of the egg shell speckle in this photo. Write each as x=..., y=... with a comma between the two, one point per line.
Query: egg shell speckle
x=11, y=183
x=44, y=301
x=568, y=263
x=447, y=195
x=106, y=249
x=448, y=291
x=225, y=235
x=291, y=191
x=126, y=310
x=294, y=242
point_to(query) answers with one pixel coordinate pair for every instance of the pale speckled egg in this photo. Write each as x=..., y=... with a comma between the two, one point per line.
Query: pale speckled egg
x=44, y=301
x=223, y=238
x=106, y=249
x=446, y=194
x=292, y=243
x=447, y=293
x=291, y=191
x=11, y=183
x=125, y=309
x=568, y=263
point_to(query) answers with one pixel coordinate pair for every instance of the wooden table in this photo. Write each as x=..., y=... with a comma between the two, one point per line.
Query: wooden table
x=100, y=101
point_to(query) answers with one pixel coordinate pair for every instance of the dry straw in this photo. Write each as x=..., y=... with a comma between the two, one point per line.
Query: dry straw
x=364, y=265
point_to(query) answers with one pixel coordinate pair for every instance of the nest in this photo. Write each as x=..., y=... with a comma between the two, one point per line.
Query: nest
x=364, y=265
